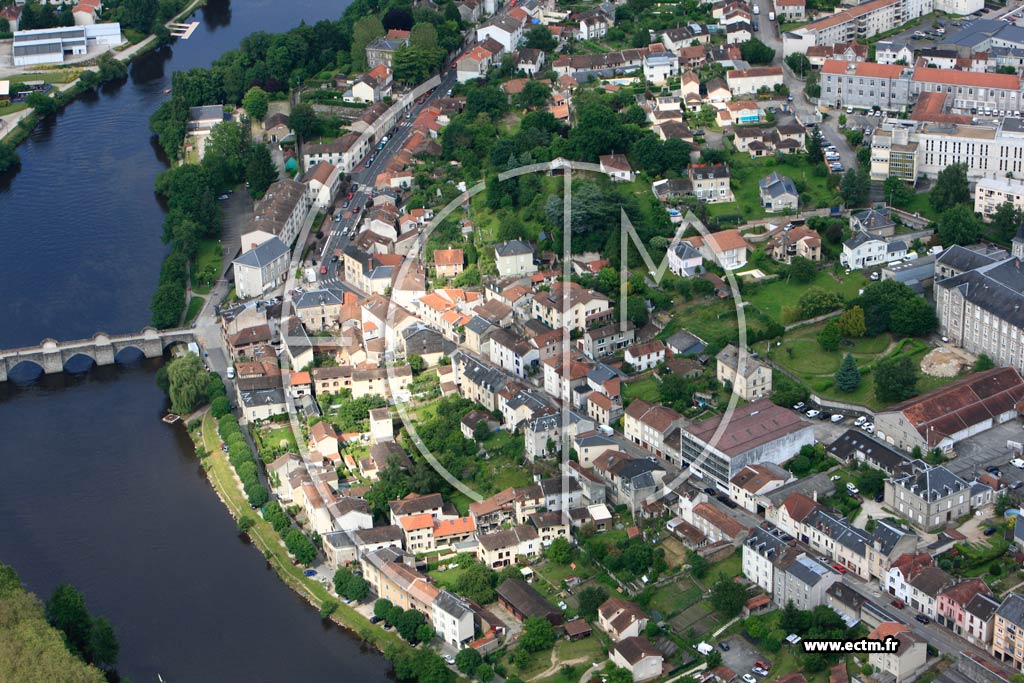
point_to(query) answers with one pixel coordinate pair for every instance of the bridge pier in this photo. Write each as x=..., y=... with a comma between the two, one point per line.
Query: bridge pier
x=103, y=352
x=52, y=359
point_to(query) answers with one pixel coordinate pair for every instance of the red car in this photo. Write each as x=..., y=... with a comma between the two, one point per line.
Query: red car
x=323, y=270
x=764, y=665
x=898, y=604
x=839, y=568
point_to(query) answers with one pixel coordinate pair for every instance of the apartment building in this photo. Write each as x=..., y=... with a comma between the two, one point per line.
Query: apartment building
x=991, y=193
x=578, y=308
x=710, y=182
x=1008, y=632
x=803, y=581
x=750, y=81
x=651, y=426
x=865, y=85
x=862, y=21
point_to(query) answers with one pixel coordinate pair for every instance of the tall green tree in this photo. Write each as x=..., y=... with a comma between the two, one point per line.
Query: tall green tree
x=364, y=31
x=895, y=379
x=66, y=612
x=728, y=597
x=848, y=375
x=537, y=634
x=188, y=383
x=897, y=193
x=1004, y=223
x=540, y=38
x=260, y=170
x=103, y=646
x=855, y=187
x=256, y=102
x=756, y=52
x=958, y=225
x=304, y=121
x=951, y=187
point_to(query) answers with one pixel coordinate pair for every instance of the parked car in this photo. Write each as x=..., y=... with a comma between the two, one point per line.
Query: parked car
x=724, y=645
x=922, y=618
x=710, y=491
x=834, y=477
x=839, y=568
x=762, y=664
x=880, y=497
x=898, y=604
x=749, y=679
x=759, y=671
x=851, y=488
x=992, y=469
x=869, y=427
x=1018, y=463
x=449, y=660
x=375, y=619
x=813, y=413
x=837, y=418
x=231, y=373
x=859, y=421
x=799, y=406
x=989, y=531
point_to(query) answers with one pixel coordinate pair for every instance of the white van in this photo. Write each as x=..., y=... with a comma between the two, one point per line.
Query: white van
x=1018, y=462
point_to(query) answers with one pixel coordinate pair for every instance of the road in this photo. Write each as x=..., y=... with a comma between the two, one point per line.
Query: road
x=342, y=231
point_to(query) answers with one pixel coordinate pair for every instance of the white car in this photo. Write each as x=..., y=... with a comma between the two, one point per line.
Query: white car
x=749, y=679
x=1018, y=463
x=837, y=418
x=852, y=489
x=231, y=373
x=869, y=427
x=860, y=421
x=849, y=110
x=813, y=413
x=875, y=276
x=834, y=477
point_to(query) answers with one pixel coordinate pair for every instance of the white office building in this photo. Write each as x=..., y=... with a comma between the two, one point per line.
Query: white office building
x=54, y=45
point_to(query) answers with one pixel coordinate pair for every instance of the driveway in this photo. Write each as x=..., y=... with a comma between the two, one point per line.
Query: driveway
x=741, y=655
x=989, y=448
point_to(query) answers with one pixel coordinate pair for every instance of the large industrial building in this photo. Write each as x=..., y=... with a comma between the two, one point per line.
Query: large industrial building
x=54, y=45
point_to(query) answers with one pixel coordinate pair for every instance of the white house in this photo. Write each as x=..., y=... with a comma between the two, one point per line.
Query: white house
x=617, y=167
x=452, y=618
x=505, y=29
x=645, y=356
x=638, y=656
x=514, y=257
x=864, y=251
x=323, y=184
x=727, y=248
x=260, y=269
x=684, y=259
x=660, y=66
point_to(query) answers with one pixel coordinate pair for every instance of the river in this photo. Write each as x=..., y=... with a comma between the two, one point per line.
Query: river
x=97, y=491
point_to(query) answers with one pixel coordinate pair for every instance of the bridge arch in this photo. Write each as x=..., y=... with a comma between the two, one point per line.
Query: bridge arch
x=25, y=371
x=78, y=362
x=129, y=353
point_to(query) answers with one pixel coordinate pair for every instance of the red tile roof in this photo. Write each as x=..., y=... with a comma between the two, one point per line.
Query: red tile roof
x=969, y=78
x=868, y=69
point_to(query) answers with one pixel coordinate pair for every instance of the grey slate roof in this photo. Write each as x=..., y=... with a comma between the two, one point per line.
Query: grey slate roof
x=478, y=325
x=853, y=441
x=512, y=248
x=997, y=288
x=318, y=297
x=962, y=259
x=931, y=483
x=809, y=571
x=777, y=185
x=1012, y=609
x=263, y=254
x=452, y=604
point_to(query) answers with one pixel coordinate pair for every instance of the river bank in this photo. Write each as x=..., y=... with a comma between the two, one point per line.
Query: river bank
x=228, y=487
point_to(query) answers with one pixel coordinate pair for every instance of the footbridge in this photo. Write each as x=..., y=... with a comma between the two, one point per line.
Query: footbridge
x=52, y=356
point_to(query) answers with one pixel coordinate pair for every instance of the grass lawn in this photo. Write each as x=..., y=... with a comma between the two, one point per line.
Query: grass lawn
x=673, y=598
x=208, y=254
x=746, y=172
x=921, y=203
x=801, y=355
x=646, y=389
x=773, y=296
x=49, y=76
x=195, y=305
x=730, y=566
x=274, y=437
x=708, y=319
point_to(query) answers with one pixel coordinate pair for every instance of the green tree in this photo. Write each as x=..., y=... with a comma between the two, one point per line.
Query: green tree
x=43, y=104
x=416, y=363
x=476, y=582
x=226, y=153
x=982, y=363
x=533, y=95
x=468, y=660
x=138, y=14
x=8, y=157
x=167, y=305
x=816, y=301
x=560, y=551
x=713, y=659
x=423, y=36
x=408, y=623
x=895, y=379
x=540, y=38
x=830, y=337
x=591, y=598
x=728, y=597
x=303, y=120
x=951, y=188
x=328, y=607
x=698, y=564
x=256, y=102
x=848, y=376
x=851, y=322
x=260, y=170
x=188, y=380
x=66, y=612
x=897, y=193
x=484, y=673
x=220, y=407
x=870, y=481
x=364, y=31
x=802, y=270
x=958, y=224
x=299, y=545
x=1004, y=223
x=913, y=317
x=756, y=52
x=855, y=187
x=799, y=63
x=537, y=635
x=382, y=608
x=103, y=645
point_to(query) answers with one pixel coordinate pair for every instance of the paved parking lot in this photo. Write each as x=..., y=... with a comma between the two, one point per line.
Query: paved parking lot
x=741, y=655
x=989, y=448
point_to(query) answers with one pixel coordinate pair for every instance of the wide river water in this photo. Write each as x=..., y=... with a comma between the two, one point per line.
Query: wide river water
x=97, y=491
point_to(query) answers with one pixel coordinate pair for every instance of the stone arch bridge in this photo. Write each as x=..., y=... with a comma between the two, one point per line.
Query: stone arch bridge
x=52, y=355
